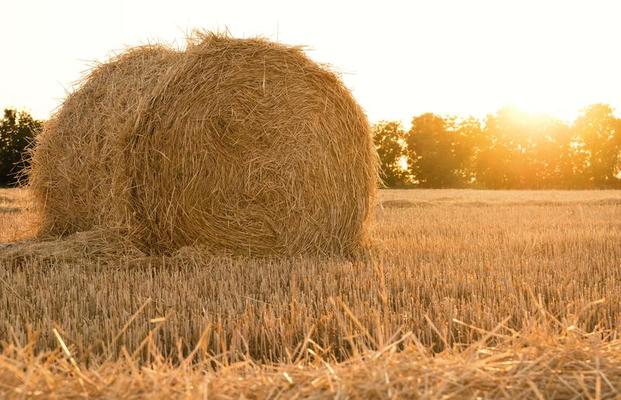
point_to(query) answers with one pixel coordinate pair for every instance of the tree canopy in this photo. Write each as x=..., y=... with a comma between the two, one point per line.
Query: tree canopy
x=509, y=149
x=17, y=132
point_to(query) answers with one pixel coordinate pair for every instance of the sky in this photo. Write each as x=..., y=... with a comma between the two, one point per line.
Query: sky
x=400, y=58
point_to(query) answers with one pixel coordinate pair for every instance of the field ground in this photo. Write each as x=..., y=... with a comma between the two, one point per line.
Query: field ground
x=513, y=294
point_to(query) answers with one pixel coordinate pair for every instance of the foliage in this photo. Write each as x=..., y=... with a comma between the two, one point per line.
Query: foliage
x=439, y=150
x=509, y=150
x=17, y=132
x=600, y=135
x=389, y=141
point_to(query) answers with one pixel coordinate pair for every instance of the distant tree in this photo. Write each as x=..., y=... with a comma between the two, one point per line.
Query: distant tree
x=599, y=134
x=389, y=141
x=438, y=151
x=468, y=136
x=520, y=151
x=558, y=156
x=17, y=132
x=501, y=161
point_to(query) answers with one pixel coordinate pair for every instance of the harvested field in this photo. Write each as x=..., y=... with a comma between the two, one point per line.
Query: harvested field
x=478, y=293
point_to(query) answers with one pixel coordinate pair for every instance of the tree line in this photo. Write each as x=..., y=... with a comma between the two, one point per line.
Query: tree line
x=507, y=150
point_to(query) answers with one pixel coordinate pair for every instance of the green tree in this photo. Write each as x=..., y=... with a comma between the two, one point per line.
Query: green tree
x=468, y=136
x=599, y=134
x=438, y=150
x=17, y=132
x=389, y=138
x=502, y=159
x=558, y=156
x=521, y=150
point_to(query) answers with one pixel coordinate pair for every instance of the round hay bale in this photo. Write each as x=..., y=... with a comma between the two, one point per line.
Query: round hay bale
x=243, y=146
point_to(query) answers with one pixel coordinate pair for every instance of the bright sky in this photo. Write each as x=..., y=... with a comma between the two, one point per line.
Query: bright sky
x=401, y=58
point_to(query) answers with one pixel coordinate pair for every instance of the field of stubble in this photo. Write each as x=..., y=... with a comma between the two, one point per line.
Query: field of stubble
x=513, y=294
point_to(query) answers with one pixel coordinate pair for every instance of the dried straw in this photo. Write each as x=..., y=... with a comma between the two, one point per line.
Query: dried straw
x=539, y=363
x=241, y=145
x=77, y=159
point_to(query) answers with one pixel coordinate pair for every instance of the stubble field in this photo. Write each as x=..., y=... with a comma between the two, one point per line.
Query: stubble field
x=463, y=293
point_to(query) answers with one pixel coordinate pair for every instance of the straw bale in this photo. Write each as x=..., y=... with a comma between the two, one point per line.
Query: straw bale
x=243, y=146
